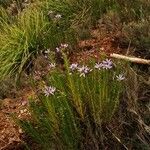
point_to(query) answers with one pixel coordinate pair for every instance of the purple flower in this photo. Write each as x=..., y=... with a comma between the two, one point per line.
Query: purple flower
x=120, y=77
x=49, y=90
x=73, y=66
x=107, y=64
x=84, y=70
x=98, y=66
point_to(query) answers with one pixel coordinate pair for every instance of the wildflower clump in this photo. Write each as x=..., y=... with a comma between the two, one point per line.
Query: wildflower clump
x=105, y=64
x=73, y=102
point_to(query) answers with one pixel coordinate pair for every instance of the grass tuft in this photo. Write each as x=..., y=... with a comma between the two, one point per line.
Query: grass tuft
x=73, y=105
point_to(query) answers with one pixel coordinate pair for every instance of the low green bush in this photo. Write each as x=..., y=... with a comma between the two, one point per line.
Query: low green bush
x=74, y=104
x=138, y=33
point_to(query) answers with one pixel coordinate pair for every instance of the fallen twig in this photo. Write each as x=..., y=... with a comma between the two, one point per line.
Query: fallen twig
x=131, y=59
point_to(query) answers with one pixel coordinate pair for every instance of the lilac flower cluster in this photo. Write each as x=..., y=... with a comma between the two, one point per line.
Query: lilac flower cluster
x=105, y=64
x=83, y=70
x=49, y=90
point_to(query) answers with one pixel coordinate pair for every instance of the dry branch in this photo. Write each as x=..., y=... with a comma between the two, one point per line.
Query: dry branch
x=131, y=59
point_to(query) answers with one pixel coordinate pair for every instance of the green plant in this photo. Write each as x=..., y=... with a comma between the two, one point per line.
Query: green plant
x=75, y=104
x=18, y=41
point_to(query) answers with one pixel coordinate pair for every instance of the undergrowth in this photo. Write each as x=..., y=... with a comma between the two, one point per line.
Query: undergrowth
x=128, y=24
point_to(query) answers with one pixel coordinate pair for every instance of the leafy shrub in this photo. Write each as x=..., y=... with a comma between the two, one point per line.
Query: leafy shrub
x=138, y=33
x=74, y=104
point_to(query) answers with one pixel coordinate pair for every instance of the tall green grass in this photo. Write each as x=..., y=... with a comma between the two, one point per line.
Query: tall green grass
x=19, y=40
x=31, y=32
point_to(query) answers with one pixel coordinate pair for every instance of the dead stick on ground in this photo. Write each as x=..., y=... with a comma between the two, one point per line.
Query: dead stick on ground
x=131, y=59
